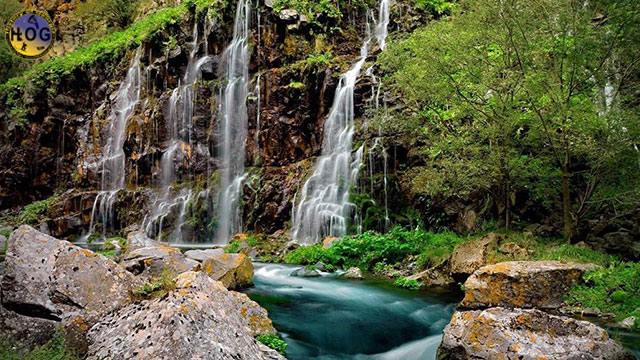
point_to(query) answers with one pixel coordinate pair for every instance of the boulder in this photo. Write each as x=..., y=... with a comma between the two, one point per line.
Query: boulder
x=328, y=241
x=139, y=239
x=514, y=250
x=522, y=284
x=353, y=273
x=200, y=319
x=202, y=255
x=152, y=261
x=472, y=255
x=51, y=279
x=500, y=333
x=304, y=272
x=235, y=271
x=25, y=332
x=437, y=276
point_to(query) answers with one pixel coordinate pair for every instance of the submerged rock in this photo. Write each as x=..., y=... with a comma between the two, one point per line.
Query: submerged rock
x=500, y=333
x=437, y=276
x=235, y=271
x=200, y=319
x=470, y=256
x=151, y=261
x=523, y=284
x=353, y=273
x=304, y=272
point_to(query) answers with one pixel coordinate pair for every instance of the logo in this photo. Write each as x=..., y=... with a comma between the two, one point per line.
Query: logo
x=29, y=34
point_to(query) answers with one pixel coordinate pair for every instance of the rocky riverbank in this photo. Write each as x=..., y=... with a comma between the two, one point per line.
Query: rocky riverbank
x=157, y=303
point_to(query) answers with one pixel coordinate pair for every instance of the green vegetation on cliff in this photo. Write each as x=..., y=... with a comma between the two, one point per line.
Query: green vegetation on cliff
x=55, y=349
x=273, y=341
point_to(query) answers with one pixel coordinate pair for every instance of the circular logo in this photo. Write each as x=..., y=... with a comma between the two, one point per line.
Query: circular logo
x=29, y=33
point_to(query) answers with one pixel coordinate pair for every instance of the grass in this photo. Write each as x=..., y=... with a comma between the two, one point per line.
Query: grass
x=55, y=349
x=273, y=341
x=614, y=289
x=155, y=288
x=33, y=212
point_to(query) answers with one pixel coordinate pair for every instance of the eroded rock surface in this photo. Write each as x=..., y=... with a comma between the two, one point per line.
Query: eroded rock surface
x=235, y=271
x=500, y=333
x=522, y=284
x=200, y=319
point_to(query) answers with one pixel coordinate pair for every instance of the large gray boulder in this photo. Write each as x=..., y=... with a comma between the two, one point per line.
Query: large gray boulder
x=51, y=279
x=500, y=333
x=200, y=319
x=202, y=255
x=522, y=284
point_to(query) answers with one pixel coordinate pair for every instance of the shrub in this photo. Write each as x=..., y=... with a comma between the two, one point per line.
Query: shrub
x=273, y=341
x=308, y=255
x=405, y=283
x=55, y=349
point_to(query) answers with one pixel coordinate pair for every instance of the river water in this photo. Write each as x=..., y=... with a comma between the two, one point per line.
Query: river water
x=331, y=318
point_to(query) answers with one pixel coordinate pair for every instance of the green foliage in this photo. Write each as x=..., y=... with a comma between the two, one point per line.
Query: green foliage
x=314, y=60
x=110, y=243
x=406, y=283
x=614, y=289
x=156, y=287
x=296, y=85
x=233, y=246
x=566, y=252
x=33, y=213
x=10, y=64
x=369, y=249
x=114, y=13
x=435, y=6
x=273, y=341
x=55, y=349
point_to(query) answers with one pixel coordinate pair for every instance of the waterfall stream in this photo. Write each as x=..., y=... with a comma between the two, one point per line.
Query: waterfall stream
x=324, y=208
x=233, y=126
x=113, y=157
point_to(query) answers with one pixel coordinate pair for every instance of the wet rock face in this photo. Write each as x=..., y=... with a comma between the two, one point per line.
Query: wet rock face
x=52, y=279
x=500, y=333
x=198, y=320
x=523, y=284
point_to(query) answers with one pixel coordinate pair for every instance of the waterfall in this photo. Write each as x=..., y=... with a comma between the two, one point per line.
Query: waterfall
x=233, y=126
x=324, y=205
x=382, y=23
x=113, y=157
x=171, y=202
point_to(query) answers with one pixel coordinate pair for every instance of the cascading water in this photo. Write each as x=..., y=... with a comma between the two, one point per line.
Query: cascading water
x=171, y=201
x=233, y=126
x=383, y=23
x=113, y=156
x=324, y=206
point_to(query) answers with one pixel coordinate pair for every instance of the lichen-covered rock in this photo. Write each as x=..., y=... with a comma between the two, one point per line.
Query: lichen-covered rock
x=23, y=331
x=235, y=271
x=522, y=284
x=151, y=261
x=50, y=278
x=202, y=255
x=500, y=333
x=200, y=319
x=470, y=256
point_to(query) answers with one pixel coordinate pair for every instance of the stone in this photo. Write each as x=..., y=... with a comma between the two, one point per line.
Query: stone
x=139, y=239
x=289, y=15
x=472, y=255
x=51, y=279
x=353, y=273
x=437, y=276
x=328, y=241
x=3, y=244
x=152, y=261
x=627, y=323
x=513, y=249
x=235, y=271
x=25, y=332
x=523, y=284
x=202, y=255
x=200, y=319
x=499, y=333
x=304, y=272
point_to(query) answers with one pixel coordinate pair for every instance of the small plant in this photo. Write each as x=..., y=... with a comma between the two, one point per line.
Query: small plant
x=33, y=212
x=157, y=287
x=273, y=341
x=296, y=85
x=319, y=59
x=406, y=283
x=233, y=246
x=113, y=242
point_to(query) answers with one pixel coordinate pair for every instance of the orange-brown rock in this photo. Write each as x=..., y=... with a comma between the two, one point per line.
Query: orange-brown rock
x=472, y=255
x=235, y=271
x=522, y=284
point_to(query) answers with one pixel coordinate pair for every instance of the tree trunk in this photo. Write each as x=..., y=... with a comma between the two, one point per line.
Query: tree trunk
x=566, y=202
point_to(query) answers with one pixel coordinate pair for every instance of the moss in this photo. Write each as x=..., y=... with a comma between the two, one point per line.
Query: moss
x=157, y=287
x=273, y=341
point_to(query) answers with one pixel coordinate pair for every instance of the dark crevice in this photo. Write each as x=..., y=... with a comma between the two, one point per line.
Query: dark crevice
x=31, y=310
